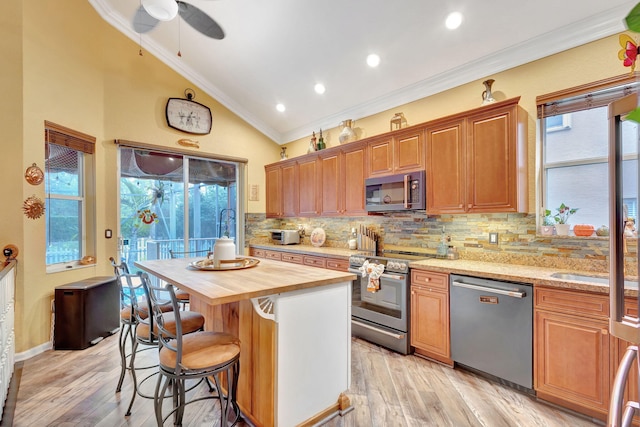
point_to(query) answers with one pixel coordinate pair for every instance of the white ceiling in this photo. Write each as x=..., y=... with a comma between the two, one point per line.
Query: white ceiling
x=276, y=50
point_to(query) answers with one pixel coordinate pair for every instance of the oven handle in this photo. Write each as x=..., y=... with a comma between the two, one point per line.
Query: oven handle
x=397, y=277
x=515, y=294
x=364, y=325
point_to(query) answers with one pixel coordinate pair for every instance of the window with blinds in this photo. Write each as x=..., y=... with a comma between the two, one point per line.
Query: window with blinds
x=69, y=209
x=575, y=134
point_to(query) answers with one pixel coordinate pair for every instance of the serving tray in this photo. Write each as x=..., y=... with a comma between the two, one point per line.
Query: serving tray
x=208, y=264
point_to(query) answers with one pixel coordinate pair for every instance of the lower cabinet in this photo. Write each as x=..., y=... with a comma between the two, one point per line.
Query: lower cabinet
x=430, y=315
x=339, y=264
x=573, y=350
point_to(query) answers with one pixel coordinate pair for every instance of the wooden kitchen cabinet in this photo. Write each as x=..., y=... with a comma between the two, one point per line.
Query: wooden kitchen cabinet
x=281, y=190
x=619, y=348
x=343, y=174
x=430, y=315
x=309, y=179
x=477, y=161
x=572, y=350
x=399, y=152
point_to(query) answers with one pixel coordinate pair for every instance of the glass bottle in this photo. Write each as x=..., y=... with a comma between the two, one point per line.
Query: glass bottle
x=312, y=144
x=353, y=239
x=321, y=144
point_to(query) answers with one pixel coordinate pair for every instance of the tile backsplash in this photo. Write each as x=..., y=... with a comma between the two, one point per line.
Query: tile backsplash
x=518, y=242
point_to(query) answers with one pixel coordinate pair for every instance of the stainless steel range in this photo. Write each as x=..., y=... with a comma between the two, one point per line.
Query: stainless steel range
x=382, y=316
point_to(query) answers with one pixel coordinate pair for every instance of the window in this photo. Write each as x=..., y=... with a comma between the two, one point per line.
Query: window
x=70, y=219
x=575, y=150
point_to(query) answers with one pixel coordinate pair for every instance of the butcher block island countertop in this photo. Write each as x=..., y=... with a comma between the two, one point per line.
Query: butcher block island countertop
x=294, y=325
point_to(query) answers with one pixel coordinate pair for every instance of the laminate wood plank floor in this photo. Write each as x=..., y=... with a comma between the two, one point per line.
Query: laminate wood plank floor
x=77, y=388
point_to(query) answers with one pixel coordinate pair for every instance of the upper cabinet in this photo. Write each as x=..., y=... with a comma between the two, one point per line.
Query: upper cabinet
x=399, y=152
x=343, y=174
x=477, y=162
x=281, y=189
x=309, y=180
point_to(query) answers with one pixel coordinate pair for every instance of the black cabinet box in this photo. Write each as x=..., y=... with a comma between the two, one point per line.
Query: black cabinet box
x=86, y=312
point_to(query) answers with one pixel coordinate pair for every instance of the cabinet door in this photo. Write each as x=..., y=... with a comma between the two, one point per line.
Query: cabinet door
x=572, y=362
x=309, y=186
x=446, y=175
x=381, y=157
x=273, y=189
x=289, y=190
x=354, y=163
x=331, y=183
x=430, y=322
x=408, y=153
x=492, y=161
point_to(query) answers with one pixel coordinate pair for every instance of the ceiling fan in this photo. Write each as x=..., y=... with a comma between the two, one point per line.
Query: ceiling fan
x=153, y=11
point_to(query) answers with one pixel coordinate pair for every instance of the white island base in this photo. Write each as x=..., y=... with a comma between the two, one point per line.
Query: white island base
x=295, y=360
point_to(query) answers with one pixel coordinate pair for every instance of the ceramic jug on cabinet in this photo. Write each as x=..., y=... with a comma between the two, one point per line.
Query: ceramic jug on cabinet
x=347, y=134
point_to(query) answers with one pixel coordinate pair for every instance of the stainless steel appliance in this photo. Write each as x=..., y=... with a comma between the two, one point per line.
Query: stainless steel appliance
x=492, y=328
x=396, y=192
x=382, y=317
x=285, y=237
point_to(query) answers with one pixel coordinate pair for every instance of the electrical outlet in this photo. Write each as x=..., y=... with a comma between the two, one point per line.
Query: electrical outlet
x=493, y=238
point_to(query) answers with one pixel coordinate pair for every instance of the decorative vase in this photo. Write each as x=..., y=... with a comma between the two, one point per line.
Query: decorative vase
x=562, y=229
x=224, y=249
x=347, y=134
x=487, y=97
x=546, y=230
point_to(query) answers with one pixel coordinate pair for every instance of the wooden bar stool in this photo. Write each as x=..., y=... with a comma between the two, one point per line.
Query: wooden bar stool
x=193, y=356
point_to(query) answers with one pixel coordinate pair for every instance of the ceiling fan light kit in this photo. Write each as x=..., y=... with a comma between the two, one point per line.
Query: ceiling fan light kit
x=162, y=10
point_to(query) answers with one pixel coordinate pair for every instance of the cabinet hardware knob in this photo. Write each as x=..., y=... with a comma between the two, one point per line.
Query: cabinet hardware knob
x=427, y=279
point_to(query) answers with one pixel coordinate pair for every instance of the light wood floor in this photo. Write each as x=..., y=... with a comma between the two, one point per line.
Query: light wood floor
x=77, y=388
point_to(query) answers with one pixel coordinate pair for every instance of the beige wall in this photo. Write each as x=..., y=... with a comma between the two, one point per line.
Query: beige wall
x=588, y=63
x=63, y=63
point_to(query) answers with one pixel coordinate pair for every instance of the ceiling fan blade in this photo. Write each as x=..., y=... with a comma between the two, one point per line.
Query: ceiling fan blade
x=143, y=22
x=200, y=21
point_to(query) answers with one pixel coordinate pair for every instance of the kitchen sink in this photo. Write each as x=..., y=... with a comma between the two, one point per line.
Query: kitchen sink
x=591, y=279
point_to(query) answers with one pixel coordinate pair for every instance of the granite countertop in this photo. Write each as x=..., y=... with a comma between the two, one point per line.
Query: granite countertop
x=537, y=276
x=323, y=251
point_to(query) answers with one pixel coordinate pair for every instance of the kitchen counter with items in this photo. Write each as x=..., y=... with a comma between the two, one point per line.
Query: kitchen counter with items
x=537, y=276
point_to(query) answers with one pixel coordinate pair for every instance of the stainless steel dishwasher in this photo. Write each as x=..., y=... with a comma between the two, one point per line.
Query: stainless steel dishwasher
x=492, y=328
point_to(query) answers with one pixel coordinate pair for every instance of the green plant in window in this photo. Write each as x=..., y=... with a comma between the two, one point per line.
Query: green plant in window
x=632, y=21
x=547, y=218
x=563, y=213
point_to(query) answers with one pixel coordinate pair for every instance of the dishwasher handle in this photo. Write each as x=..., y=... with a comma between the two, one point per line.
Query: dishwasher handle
x=515, y=294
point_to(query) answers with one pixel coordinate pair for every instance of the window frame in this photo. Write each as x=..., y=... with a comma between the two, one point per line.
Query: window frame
x=84, y=145
x=565, y=102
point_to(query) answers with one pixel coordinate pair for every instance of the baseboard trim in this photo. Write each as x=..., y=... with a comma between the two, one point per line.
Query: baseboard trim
x=20, y=357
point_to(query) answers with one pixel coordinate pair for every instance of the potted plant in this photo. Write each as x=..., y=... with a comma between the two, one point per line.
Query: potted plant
x=562, y=217
x=546, y=229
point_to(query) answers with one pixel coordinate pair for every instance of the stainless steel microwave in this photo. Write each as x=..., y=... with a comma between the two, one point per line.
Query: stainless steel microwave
x=396, y=192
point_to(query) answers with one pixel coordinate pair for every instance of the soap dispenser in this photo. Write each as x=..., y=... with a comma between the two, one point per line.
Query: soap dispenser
x=441, y=252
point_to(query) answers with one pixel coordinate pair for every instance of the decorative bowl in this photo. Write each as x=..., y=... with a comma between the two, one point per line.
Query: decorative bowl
x=584, y=230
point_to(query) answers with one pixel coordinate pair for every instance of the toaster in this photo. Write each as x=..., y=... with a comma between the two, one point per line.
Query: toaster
x=285, y=237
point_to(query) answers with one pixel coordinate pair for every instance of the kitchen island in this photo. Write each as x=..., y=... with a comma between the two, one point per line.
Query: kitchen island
x=294, y=326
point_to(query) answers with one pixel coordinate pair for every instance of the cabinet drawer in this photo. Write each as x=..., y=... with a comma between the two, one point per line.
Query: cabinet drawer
x=574, y=302
x=430, y=279
x=338, y=264
x=294, y=258
x=260, y=253
x=315, y=261
x=273, y=255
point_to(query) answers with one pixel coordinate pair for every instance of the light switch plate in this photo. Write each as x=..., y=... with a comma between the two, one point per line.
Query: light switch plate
x=254, y=190
x=493, y=238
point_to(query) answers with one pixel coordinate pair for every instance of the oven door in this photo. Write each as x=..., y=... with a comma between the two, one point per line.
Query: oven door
x=388, y=306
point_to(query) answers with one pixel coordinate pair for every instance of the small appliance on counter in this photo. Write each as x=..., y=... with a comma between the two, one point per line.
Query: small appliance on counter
x=285, y=237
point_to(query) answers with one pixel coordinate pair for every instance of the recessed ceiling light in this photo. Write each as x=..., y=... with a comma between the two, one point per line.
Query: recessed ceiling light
x=281, y=108
x=319, y=88
x=453, y=20
x=373, y=60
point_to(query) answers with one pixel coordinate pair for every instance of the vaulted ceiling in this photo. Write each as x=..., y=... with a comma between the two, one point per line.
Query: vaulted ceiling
x=275, y=51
